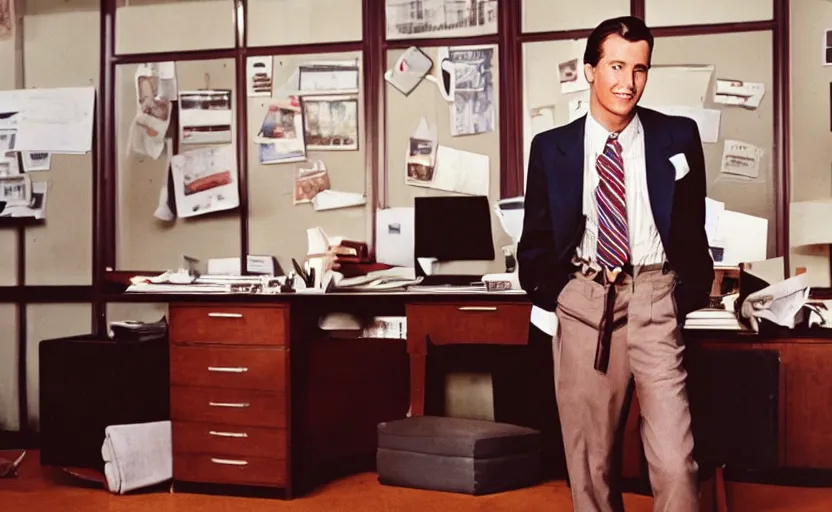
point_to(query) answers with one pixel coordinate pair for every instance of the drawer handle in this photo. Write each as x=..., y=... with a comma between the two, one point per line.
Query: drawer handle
x=224, y=404
x=227, y=434
x=224, y=369
x=478, y=308
x=225, y=315
x=229, y=462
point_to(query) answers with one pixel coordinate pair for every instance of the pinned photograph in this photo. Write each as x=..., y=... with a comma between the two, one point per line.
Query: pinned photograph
x=331, y=123
x=205, y=116
x=35, y=208
x=259, y=76
x=205, y=181
x=281, y=133
x=34, y=161
x=9, y=165
x=473, y=109
x=310, y=181
x=420, y=160
x=15, y=190
x=571, y=76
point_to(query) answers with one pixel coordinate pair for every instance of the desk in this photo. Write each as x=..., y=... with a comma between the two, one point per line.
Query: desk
x=260, y=397
x=312, y=403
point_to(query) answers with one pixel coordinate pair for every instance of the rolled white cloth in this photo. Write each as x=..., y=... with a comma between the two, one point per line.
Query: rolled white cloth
x=137, y=455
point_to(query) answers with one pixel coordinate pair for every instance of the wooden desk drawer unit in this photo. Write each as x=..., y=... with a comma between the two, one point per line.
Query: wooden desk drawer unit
x=229, y=373
x=228, y=406
x=195, y=438
x=230, y=470
x=487, y=323
x=229, y=368
x=233, y=325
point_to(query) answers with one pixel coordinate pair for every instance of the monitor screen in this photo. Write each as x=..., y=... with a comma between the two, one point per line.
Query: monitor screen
x=453, y=228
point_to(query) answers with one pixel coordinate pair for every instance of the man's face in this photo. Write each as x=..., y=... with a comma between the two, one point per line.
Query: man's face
x=618, y=81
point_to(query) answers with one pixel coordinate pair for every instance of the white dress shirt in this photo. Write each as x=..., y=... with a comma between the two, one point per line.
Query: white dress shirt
x=645, y=243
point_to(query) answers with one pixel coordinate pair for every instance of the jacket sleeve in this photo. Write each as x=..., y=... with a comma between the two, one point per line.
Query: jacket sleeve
x=536, y=252
x=694, y=291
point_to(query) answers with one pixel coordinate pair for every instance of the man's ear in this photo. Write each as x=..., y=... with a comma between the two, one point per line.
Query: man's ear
x=589, y=73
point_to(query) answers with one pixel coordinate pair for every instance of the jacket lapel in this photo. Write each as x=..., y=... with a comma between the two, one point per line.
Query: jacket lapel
x=661, y=175
x=566, y=190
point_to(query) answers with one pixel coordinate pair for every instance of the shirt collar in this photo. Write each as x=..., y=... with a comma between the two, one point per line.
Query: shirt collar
x=596, y=135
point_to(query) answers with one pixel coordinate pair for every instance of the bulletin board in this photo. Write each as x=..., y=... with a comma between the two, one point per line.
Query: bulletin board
x=277, y=223
x=144, y=241
x=403, y=115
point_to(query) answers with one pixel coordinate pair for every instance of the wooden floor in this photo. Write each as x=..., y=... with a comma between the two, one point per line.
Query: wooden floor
x=38, y=489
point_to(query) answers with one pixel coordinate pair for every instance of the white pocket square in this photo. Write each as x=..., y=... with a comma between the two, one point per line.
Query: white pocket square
x=680, y=163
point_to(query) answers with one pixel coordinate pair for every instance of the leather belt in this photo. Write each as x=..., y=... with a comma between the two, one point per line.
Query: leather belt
x=605, y=330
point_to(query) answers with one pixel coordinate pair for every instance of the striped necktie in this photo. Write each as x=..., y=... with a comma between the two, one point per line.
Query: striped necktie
x=613, y=249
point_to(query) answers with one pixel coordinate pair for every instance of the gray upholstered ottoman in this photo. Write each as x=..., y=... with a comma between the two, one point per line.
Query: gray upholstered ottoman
x=457, y=455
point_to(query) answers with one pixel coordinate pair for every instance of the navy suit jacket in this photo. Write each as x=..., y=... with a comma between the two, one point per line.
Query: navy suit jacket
x=554, y=222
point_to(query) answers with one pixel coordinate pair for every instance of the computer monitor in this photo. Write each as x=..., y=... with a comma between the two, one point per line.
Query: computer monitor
x=452, y=229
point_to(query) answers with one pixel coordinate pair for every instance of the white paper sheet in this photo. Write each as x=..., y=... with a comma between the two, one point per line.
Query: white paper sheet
x=395, y=231
x=741, y=159
x=317, y=242
x=578, y=108
x=328, y=79
x=809, y=223
x=685, y=86
x=740, y=93
x=259, y=76
x=461, y=171
x=542, y=119
x=713, y=212
x=334, y=199
x=707, y=119
x=156, y=89
x=52, y=120
x=746, y=237
x=778, y=303
x=205, y=181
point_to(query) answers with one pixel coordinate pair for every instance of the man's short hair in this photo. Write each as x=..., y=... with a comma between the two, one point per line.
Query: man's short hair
x=629, y=27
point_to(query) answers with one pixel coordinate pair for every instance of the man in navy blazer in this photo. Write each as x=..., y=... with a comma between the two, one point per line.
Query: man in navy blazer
x=614, y=243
